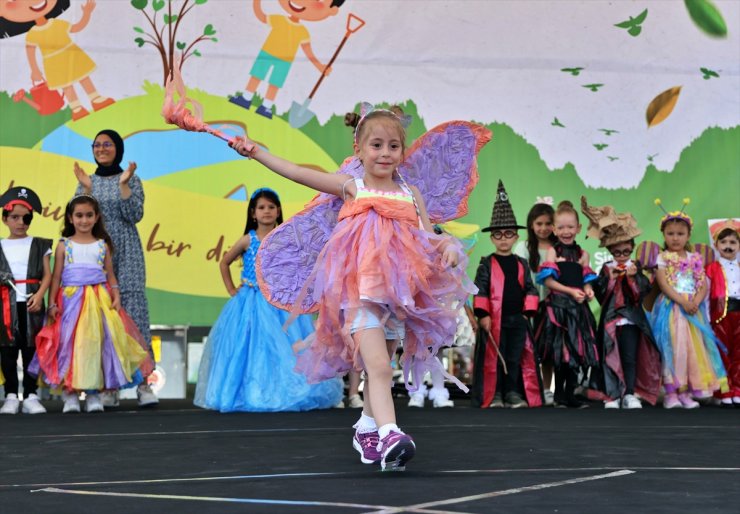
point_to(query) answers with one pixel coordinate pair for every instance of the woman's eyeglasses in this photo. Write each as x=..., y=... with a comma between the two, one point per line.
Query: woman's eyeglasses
x=621, y=253
x=500, y=234
x=104, y=144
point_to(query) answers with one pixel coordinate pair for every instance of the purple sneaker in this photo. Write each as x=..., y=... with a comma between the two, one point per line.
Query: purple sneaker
x=367, y=445
x=396, y=450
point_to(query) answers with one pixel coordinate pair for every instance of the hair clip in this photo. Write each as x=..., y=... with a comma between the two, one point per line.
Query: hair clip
x=366, y=108
x=547, y=200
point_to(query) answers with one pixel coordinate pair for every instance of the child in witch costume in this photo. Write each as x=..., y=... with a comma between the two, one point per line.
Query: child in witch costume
x=724, y=303
x=629, y=355
x=506, y=295
x=25, y=275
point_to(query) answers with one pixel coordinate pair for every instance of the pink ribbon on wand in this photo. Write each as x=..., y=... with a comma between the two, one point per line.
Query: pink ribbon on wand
x=178, y=114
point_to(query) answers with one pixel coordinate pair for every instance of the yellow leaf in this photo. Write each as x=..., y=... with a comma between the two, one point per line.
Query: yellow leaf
x=662, y=106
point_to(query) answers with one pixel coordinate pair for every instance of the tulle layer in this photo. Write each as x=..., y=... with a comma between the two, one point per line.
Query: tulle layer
x=690, y=349
x=248, y=361
x=378, y=254
x=566, y=333
x=91, y=346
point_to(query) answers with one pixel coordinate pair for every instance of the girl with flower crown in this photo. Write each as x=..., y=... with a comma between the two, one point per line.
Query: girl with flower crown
x=692, y=367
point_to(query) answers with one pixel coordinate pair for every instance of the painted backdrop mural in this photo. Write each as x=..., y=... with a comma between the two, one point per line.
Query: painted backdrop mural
x=620, y=101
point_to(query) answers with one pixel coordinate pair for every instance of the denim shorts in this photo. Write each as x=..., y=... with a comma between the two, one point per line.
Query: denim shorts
x=370, y=316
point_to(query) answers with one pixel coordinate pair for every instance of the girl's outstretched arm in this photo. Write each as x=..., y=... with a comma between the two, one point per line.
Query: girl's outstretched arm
x=230, y=256
x=325, y=182
x=87, y=8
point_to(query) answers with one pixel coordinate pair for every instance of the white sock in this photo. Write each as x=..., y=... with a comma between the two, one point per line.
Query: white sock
x=267, y=104
x=365, y=424
x=387, y=428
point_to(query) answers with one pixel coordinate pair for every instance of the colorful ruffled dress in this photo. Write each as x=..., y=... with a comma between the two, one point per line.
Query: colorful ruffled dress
x=379, y=258
x=90, y=346
x=248, y=359
x=690, y=349
x=566, y=335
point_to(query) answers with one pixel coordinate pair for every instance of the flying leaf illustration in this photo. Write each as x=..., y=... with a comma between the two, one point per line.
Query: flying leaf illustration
x=708, y=74
x=556, y=123
x=707, y=17
x=593, y=87
x=600, y=146
x=573, y=71
x=633, y=25
x=612, y=158
x=662, y=106
x=609, y=132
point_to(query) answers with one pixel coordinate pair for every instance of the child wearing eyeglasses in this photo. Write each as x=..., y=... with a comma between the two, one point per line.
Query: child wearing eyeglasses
x=630, y=357
x=248, y=360
x=505, y=373
x=567, y=335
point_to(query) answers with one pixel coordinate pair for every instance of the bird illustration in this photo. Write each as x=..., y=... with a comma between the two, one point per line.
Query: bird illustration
x=651, y=157
x=600, y=146
x=609, y=132
x=593, y=87
x=612, y=159
x=556, y=123
x=708, y=74
x=573, y=71
x=633, y=25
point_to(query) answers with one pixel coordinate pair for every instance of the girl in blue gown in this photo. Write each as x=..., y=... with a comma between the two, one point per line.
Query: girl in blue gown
x=248, y=359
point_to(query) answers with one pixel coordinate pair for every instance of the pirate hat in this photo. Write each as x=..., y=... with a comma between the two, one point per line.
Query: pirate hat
x=20, y=196
x=503, y=215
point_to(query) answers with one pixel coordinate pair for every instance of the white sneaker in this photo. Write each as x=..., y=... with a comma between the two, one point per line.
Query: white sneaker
x=417, y=400
x=71, y=402
x=93, y=403
x=32, y=405
x=613, y=404
x=442, y=403
x=146, y=396
x=355, y=402
x=10, y=405
x=440, y=398
x=109, y=399
x=549, y=398
x=630, y=401
x=339, y=405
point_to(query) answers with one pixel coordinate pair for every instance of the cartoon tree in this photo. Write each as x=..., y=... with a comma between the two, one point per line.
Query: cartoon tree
x=164, y=37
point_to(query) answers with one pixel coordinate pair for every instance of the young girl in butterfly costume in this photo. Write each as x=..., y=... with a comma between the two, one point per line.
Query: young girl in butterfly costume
x=364, y=256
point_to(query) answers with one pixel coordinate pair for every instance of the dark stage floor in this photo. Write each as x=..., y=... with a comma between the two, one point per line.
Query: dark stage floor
x=178, y=459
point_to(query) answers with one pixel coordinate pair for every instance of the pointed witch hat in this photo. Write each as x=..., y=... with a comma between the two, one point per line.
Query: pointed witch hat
x=503, y=215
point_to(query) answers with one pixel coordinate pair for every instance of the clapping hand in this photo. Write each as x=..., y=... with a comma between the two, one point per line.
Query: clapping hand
x=127, y=174
x=83, y=178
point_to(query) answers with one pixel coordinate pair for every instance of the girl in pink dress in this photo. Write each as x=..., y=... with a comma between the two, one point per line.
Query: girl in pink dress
x=380, y=277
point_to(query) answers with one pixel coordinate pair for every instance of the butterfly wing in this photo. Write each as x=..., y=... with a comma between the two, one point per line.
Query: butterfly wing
x=442, y=164
x=647, y=254
x=287, y=255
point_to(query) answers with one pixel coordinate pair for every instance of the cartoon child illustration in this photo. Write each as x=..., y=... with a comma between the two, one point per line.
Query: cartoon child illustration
x=64, y=63
x=287, y=33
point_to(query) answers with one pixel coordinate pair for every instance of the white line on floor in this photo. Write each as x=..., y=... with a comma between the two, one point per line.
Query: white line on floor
x=263, y=501
x=505, y=492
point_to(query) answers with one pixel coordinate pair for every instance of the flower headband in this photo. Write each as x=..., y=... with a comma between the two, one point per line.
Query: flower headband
x=82, y=195
x=675, y=215
x=367, y=108
x=263, y=190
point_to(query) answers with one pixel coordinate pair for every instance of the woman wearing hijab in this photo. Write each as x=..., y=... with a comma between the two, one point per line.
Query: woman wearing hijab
x=121, y=199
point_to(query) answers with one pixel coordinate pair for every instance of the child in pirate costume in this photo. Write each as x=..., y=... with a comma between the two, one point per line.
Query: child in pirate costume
x=724, y=303
x=505, y=368
x=630, y=359
x=25, y=276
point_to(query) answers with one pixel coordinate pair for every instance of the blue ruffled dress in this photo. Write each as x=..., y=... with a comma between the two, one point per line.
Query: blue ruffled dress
x=248, y=359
